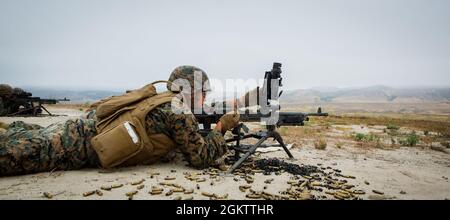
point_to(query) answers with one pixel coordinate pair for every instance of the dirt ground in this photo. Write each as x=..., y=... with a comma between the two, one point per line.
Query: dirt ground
x=394, y=172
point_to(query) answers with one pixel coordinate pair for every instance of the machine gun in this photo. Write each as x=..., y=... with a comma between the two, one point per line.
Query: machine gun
x=34, y=106
x=23, y=103
x=285, y=118
x=269, y=110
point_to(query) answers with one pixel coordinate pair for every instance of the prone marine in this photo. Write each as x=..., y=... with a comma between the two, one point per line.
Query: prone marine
x=139, y=127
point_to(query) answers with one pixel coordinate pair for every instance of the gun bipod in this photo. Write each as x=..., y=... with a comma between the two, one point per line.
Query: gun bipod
x=248, y=150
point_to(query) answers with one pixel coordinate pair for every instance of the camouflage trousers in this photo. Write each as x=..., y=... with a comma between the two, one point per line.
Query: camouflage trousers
x=26, y=148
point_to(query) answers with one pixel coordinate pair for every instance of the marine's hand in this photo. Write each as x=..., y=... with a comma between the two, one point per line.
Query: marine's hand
x=229, y=121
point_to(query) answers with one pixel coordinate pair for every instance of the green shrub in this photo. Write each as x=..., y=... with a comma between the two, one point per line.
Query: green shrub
x=359, y=136
x=392, y=127
x=372, y=138
x=410, y=140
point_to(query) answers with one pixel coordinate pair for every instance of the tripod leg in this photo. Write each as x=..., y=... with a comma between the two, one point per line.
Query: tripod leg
x=46, y=110
x=20, y=111
x=278, y=137
x=247, y=154
x=236, y=152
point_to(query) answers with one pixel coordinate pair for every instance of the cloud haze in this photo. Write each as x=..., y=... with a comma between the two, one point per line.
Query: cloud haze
x=125, y=44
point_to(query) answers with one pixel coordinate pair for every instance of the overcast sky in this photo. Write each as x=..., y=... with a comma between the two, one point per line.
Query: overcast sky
x=125, y=44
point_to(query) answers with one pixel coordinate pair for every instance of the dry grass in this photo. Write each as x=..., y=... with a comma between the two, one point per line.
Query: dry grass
x=320, y=144
x=446, y=144
x=70, y=106
x=344, y=129
x=429, y=124
x=431, y=108
x=339, y=145
x=393, y=136
x=435, y=123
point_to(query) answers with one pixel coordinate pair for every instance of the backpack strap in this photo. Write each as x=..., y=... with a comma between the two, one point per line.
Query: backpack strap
x=169, y=84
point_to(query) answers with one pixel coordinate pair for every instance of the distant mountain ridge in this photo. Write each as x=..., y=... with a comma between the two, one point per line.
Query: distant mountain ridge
x=380, y=94
x=372, y=94
x=75, y=96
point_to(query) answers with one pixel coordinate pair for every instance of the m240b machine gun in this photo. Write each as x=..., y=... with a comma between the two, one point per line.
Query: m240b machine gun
x=34, y=106
x=267, y=100
x=26, y=104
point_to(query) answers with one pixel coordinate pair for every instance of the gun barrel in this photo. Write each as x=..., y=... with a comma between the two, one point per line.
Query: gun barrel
x=43, y=101
x=63, y=100
x=317, y=114
x=284, y=118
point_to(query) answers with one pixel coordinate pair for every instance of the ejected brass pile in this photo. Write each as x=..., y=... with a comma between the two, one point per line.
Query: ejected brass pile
x=207, y=194
x=249, y=179
x=188, y=191
x=175, y=189
x=191, y=177
x=358, y=192
x=254, y=195
x=99, y=193
x=107, y=188
x=153, y=174
x=268, y=181
x=48, y=195
x=378, y=192
x=137, y=182
x=218, y=197
x=243, y=188
x=132, y=193
x=116, y=186
x=214, y=196
x=88, y=193
x=201, y=180
x=169, y=193
x=156, y=190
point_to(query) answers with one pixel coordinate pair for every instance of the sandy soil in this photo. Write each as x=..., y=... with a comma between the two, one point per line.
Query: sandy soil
x=400, y=173
x=60, y=114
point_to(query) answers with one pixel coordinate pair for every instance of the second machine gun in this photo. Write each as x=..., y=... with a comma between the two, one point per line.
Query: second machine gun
x=26, y=105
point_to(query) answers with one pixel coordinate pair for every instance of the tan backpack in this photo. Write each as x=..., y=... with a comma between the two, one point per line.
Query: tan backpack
x=122, y=137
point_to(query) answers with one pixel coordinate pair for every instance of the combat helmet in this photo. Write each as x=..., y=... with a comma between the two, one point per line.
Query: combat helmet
x=6, y=90
x=188, y=72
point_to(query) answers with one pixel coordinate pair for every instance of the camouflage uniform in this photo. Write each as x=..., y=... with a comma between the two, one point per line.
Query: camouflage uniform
x=3, y=110
x=64, y=146
x=199, y=151
x=28, y=148
x=5, y=93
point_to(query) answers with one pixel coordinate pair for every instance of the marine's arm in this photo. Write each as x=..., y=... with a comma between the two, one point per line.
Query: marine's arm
x=200, y=151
